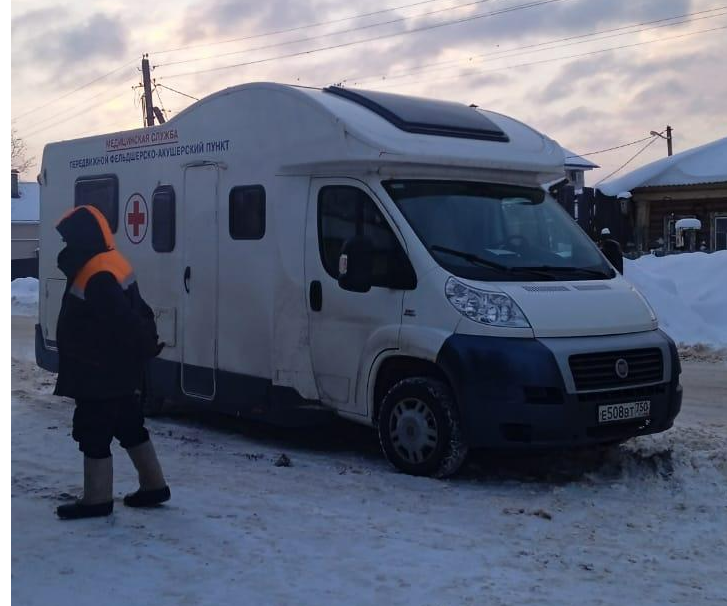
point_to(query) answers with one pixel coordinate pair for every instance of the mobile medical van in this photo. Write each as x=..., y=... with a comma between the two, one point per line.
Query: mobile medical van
x=393, y=259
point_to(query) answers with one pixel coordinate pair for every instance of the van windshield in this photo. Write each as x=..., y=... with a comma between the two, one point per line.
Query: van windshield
x=486, y=231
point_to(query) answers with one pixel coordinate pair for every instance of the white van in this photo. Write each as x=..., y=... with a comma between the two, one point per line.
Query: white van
x=393, y=259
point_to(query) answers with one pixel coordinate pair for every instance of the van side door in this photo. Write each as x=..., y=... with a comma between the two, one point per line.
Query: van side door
x=349, y=329
x=198, y=282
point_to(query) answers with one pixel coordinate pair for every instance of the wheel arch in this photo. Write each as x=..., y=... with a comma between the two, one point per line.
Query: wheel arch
x=395, y=368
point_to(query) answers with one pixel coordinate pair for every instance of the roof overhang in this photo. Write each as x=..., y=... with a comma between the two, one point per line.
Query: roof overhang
x=387, y=167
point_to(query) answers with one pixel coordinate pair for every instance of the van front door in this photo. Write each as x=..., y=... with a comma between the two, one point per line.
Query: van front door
x=348, y=329
x=198, y=282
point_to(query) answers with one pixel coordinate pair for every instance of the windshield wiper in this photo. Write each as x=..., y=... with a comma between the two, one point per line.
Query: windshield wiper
x=477, y=260
x=596, y=273
x=471, y=257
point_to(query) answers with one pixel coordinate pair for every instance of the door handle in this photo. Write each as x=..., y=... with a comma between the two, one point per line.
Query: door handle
x=187, y=274
x=315, y=296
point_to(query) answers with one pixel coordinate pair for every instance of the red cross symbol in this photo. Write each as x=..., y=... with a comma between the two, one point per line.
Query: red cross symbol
x=136, y=218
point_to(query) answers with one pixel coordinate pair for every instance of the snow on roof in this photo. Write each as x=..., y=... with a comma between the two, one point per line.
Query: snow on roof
x=688, y=223
x=27, y=206
x=704, y=164
x=573, y=160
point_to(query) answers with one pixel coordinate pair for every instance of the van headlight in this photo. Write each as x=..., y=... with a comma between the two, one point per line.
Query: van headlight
x=492, y=308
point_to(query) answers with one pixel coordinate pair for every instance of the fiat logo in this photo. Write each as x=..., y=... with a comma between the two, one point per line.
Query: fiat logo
x=622, y=368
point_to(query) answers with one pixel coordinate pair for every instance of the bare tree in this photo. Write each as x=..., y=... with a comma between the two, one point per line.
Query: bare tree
x=19, y=153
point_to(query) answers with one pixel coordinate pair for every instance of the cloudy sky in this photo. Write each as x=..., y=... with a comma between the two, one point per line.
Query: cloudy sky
x=551, y=63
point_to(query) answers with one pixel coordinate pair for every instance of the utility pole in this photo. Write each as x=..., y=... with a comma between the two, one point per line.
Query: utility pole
x=669, y=149
x=148, y=103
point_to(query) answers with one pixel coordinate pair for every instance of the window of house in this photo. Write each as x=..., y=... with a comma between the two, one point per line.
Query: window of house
x=247, y=212
x=344, y=212
x=163, y=219
x=720, y=233
x=101, y=192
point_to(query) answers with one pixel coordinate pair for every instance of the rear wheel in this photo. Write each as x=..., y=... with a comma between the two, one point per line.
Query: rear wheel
x=419, y=428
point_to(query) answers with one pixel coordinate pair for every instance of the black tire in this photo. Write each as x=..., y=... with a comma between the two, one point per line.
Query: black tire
x=419, y=428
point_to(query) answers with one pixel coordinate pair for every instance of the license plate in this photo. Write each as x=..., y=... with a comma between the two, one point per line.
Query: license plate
x=613, y=413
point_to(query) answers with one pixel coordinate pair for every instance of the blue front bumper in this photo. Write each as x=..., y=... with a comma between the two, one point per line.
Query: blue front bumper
x=512, y=393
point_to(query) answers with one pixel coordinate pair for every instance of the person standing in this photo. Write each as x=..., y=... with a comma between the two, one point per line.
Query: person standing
x=105, y=334
x=611, y=250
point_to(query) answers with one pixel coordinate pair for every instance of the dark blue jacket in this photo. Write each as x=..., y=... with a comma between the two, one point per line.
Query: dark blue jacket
x=106, y=331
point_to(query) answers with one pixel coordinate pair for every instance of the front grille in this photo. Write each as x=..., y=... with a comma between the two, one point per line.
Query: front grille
x=598, y=370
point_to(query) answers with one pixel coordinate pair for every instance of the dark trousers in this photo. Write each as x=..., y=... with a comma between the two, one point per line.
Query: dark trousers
x=97, y=422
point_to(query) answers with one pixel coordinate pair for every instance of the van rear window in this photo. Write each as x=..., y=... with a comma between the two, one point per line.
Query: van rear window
x=247, y=212
x=101, y=192
x=163, y=219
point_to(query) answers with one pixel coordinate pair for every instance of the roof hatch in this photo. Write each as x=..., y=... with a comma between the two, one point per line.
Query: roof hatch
x=425, y=116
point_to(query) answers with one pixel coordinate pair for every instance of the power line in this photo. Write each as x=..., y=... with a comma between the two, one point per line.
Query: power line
x=177, y=91
x=631, y=159
x=294, y=29
x=321, y=36
x=75, y=115
x=423, y=68
x=601, y=151
x=82, y=103
x=375, y=38
x=75, y=90
x=112, y=129
x=161, y=103
x=553, y=59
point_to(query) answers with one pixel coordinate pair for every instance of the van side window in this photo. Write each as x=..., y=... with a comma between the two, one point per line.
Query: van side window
x=101, y=192
x=344, y=212
x=247, y=212
x=163, y=219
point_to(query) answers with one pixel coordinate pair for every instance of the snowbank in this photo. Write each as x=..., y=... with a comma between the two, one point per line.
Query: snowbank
x=688, y=293
x=24, y=293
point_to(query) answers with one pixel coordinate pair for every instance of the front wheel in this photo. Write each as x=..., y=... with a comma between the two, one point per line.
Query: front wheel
x=419, y=428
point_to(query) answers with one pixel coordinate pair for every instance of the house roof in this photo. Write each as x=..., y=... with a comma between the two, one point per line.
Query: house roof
x=578, y=162
x=696, y=166
x=26, y=208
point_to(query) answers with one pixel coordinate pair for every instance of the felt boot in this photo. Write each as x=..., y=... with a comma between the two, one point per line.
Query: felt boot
x=97, y=500
x=153, y=488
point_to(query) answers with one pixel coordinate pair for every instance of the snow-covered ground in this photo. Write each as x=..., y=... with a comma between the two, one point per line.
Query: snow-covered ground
x=24, y=293
x=643, y=523
x=688, y=293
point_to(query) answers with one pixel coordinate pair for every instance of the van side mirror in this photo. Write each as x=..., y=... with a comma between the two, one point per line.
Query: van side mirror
x=355, y=265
